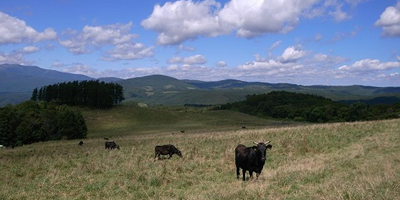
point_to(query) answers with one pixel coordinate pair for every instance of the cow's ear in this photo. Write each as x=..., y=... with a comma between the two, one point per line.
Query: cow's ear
x=255, y=148
x=269, y=146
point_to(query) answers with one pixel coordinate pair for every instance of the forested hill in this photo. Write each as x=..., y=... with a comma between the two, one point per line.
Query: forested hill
x=312, y=108
x=17, y=83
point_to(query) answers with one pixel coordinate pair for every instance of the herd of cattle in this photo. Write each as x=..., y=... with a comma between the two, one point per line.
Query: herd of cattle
x=251, y=159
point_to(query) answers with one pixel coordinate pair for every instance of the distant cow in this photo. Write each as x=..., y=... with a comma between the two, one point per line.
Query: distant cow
x=251, y=159
x=111, y=145
x=80, y=143
x=168, y=149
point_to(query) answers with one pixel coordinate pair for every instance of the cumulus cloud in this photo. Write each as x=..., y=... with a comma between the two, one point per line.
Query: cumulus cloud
x=251, y=18
x=390, y=21
x=15, y=31
x=221, y=63
x=14, y=57
x=96, y=37
x=370, y=65
x=292, y=54
x=184, y=20
x=196, y=59
x=129, y=51
x=18, y=56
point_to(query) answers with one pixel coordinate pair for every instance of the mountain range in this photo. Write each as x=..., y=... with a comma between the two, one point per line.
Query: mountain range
x=17, y=83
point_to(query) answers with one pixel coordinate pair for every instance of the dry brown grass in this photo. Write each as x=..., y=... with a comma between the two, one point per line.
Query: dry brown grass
x=328, y=161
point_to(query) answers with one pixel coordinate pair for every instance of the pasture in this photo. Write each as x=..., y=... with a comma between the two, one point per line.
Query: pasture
x=358, y=160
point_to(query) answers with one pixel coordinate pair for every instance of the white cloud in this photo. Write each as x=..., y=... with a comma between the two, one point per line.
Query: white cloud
x=186, y=48
x=186, y=19
x=17, y=56
x=183, y=20
x=390, y=21
x=196, y=59
x=81, y=69
x=30, y=49
x=13, y=58
x=13, y=31
x=370, y=65
x=221, y=63
x=276, y=44
x=327, y=60
x=96, y=37
x=251, y=18
x=292, y=54
x=336, y=10
x=129, y=51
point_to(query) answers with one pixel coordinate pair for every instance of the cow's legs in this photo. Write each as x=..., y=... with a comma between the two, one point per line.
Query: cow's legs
x=237, y=172
x=257, y=175
x=155, y=156
x=251, y=174
x=244, y=174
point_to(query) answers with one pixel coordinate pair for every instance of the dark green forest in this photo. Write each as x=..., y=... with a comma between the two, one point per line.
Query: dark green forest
x=310, y=108
x=93, y=94
x=31, y=122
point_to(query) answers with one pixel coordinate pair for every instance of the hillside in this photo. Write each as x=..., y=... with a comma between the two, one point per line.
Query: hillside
x=126, y=120
x=163, y=90
x=328, y=161
x=17, y=83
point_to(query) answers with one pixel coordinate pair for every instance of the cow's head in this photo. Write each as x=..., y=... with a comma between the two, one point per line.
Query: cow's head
x=262, y=148
x=178, y=153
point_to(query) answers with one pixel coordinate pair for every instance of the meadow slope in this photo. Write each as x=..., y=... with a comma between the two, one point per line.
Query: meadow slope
x=327, y=161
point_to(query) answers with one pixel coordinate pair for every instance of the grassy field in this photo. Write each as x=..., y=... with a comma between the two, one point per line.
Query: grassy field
x=128, y=120
x=328, y=161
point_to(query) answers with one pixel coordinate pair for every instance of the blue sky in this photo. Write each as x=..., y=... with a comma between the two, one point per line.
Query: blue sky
x=306, y=42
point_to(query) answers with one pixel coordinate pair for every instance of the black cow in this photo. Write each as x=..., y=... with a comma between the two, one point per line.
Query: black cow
x=80, y=143
x=251, y=159
x=111, y=145
x=168, y=149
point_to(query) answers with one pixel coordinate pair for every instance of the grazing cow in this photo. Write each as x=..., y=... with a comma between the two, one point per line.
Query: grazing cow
x=80, y=143
x=251, y=159
x=111, y=145
x=182, y=131
x=168, y=149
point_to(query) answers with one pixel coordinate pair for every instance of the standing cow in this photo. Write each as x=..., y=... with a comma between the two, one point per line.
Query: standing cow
x=168, y=149
x=251, y=159
x=111, y=145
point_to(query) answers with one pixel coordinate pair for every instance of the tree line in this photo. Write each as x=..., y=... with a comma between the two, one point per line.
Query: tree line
x=94, y=94
x=311, y=108
x=31, y=122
